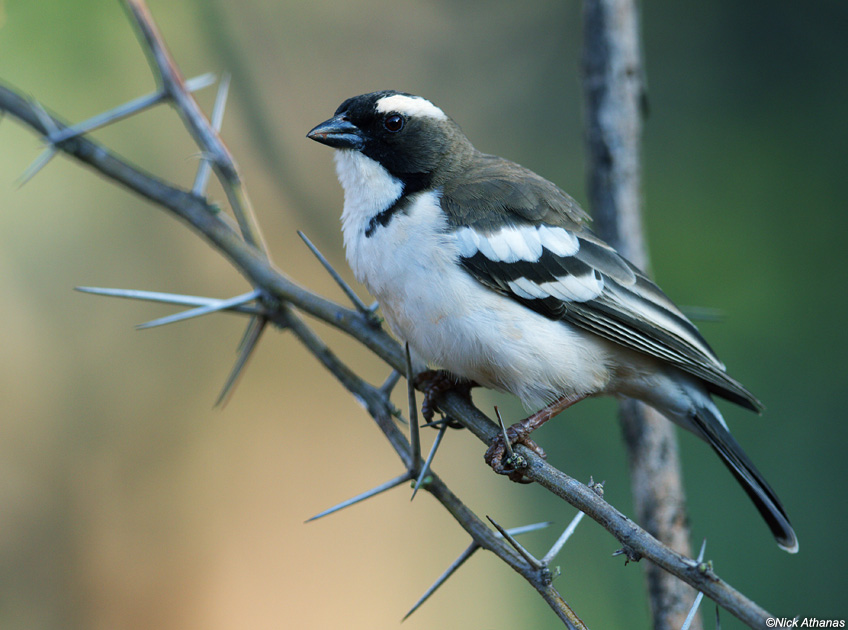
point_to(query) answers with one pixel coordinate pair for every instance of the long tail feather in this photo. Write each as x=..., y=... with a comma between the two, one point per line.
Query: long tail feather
x=714, y=432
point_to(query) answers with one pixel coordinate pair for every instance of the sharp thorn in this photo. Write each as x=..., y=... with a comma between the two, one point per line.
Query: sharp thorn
x=201, y=180
x=220, y=102
x=387, y=387
x=113, y=115
x=211, y=307
x=517, y=546
x=151, y=296
x=248, y=344
x=517, y=531
x=200, y=81
x=558, y=545
x=692, y=611
x=50, y=128
x=526, y=529
x=700, y=596
x=435, y=423
x=249, y=332
x=167, y=298
x=426, y=467
x=39, y=163
x=443, y=578
x=128, y=109
x=701, y=552
x=50, y=132
x=345, y=287
x=414, y=434
x=392, y=483
x=509, y=452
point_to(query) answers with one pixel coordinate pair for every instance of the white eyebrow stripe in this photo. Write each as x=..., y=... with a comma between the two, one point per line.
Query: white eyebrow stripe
x=409, y=106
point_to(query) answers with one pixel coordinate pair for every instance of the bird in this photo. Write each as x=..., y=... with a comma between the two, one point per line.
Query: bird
x=490, y=273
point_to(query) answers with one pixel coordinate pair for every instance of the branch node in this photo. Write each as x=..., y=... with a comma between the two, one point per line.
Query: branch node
x=706, y=569
x=597, y=487
x=700, y=596
x=630, y=554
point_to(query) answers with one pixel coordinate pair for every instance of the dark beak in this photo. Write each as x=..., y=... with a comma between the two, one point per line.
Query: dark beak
x=338, y=133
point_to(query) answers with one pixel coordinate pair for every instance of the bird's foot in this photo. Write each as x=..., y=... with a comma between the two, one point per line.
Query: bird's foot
x=505, y=461
x=519, y=433
x=434, y=384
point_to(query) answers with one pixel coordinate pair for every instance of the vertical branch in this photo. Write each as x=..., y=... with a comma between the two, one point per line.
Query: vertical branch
x=205, y=135
x=614, y=92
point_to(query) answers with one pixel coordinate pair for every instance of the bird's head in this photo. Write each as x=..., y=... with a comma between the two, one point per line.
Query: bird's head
x=407, y=135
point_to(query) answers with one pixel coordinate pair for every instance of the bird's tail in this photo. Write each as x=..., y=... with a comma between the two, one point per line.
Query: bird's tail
x=712, y=428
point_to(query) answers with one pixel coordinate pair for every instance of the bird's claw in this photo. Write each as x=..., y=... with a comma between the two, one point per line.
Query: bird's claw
x=434, y=384
x=506, y=462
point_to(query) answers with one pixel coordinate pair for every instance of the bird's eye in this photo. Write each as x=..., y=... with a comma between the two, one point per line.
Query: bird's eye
x=393, y=123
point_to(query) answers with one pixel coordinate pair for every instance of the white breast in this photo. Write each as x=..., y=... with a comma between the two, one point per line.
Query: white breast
x=450, y=320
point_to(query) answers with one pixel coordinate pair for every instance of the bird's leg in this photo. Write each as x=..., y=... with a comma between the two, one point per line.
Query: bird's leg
x=519, y=433
x=434, y=384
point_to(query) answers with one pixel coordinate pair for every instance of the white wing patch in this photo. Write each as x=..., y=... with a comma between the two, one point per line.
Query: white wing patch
x=521, y=243
x=526, y=289
x=513, y=243
x=565, y=288
x=526, y=243
x=409, y=106
x=575, y=288
x=467, y=241
x=558, y=240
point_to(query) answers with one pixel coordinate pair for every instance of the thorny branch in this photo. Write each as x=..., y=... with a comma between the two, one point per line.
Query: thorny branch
x=280, y=300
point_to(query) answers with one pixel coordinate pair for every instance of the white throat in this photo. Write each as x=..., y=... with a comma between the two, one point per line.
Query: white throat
x=368, y=189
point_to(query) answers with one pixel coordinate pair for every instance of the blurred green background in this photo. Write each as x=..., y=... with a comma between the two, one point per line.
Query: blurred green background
x=126, y=501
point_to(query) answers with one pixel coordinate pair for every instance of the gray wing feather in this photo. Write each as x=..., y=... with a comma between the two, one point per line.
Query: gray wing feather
x=593, y=287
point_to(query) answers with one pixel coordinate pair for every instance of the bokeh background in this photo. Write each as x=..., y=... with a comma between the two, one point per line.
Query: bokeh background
x=127, y=501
